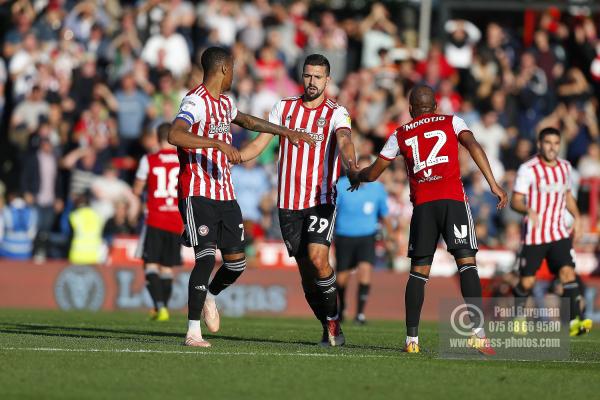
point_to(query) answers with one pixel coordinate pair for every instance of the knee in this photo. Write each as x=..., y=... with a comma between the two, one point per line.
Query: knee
x=166, y=273
x=205, y=254
x=151, y=269
x=319, y=260
x=421, y=269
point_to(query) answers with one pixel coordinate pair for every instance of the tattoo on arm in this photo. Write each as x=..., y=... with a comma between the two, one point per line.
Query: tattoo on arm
x=346, y=146
x=258, y=125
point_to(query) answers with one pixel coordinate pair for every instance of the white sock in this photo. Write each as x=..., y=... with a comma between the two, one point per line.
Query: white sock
x=412, y=339
x=479, y=332
x=194, y=327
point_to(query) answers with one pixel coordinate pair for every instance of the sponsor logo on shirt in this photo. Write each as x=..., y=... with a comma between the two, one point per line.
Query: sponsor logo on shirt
x=318, y=137
x=219, y=129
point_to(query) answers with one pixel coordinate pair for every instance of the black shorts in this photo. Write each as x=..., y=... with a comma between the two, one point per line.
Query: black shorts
x=450, y=218
x=311, y=225
x=213, y=222
x=161, y=247
x=557, y=254
x=349, y=251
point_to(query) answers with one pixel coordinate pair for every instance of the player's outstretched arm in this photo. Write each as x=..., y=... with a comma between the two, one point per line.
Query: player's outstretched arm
x=251, y=150
x=467, y=139
x=347, y=151
x=138, y=187
x=180, y=136
x=518, y=203
x=574, y=210
x=368, y=174
x=260, y=125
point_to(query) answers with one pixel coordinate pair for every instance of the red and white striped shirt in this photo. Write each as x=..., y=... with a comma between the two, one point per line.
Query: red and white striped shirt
x=307, y=176
x=545, y=188
x=205, y=172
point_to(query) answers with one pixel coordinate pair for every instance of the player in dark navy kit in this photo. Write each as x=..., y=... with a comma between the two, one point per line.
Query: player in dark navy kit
x=359, y=216
x=429, y=146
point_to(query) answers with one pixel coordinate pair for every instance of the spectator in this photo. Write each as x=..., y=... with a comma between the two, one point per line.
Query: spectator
x=86, y=225
x=27, y=116
x=171, y=46
x=23, y=15
x=20, y=221
x=131, y=107
x=490, y=134
x=118, y=224
x=448, y=100
x=108, y=190
x=459, y=49
x=83, y=17
x=47, y=28
x=532, y=86
x=220, y=17
x=22, y=66
x=378, y=32
x=589, y=168
x=166, y=100
x=42, y=186
x=3, y=78
x=96, y=129
x=97, y=98
x=251, y=184
x=84, y=166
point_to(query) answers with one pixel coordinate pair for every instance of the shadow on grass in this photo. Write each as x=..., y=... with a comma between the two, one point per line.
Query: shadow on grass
x=117, y=334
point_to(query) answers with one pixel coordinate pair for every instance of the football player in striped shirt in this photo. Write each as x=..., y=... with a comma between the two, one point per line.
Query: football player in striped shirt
x=211, y=215
x=542, y=193
x=307, y=191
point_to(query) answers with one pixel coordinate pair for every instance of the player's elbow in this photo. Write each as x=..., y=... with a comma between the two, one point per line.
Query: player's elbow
x=172, y=137
x=514, y=205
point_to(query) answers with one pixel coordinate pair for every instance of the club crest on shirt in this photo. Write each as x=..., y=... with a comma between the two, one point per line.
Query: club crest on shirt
x=321, y=122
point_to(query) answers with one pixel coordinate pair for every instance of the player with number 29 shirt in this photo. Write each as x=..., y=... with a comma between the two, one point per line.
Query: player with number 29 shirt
x=306, y=184
x=429, y=146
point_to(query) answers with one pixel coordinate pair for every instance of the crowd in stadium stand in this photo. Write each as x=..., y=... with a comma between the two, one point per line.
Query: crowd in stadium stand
x=83, y=86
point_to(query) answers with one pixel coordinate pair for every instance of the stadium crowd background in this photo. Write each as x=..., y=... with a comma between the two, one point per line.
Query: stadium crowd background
x=83, y=86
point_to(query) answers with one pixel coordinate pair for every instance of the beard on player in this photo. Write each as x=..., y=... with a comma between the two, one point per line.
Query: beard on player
x=549, y=148
x=312, y=92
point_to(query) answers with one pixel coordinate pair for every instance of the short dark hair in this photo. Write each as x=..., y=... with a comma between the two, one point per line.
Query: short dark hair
x=214, y=57
x=319, y=60
x=548, y=131
x=163, y=131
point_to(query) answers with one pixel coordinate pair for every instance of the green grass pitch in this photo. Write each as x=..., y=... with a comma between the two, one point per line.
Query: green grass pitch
x=82, y=355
